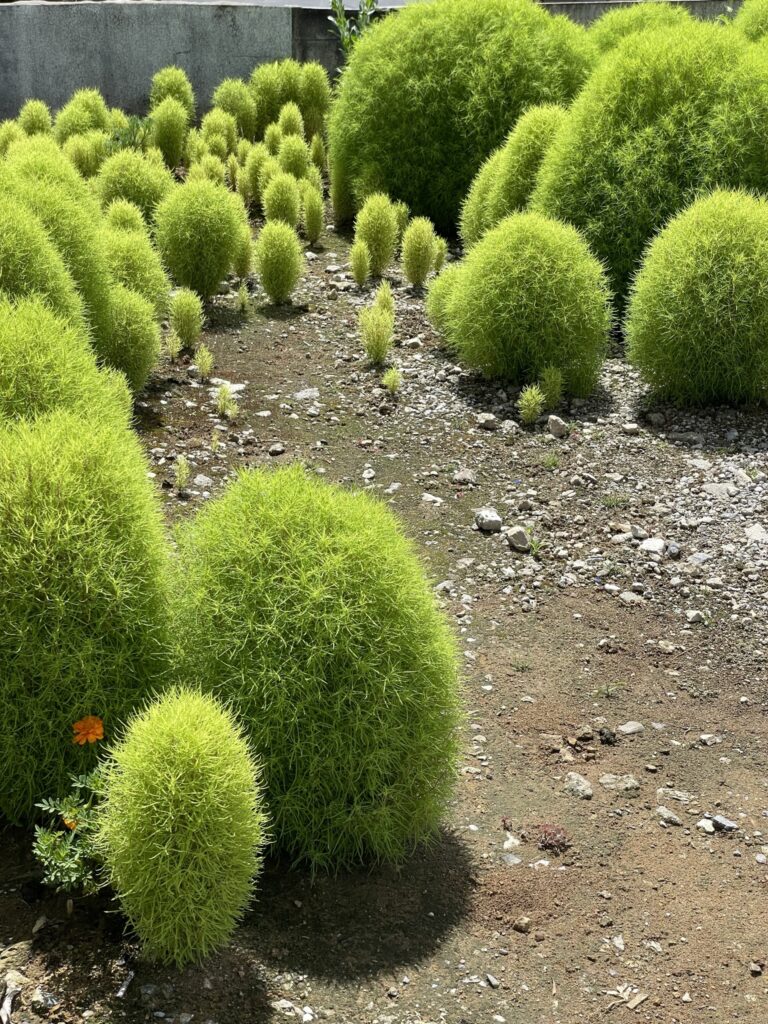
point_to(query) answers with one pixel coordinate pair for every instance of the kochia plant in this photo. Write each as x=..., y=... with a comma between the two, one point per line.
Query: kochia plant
x=279, y=260
x=376, y=225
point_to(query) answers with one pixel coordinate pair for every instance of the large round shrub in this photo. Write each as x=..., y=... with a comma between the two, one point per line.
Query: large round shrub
x=132, y=344
x=273, y=85
x=38, y=158
x=197, y=235
x=72, y=229
x=83, y=592
x=615, y=25
x=453, y=75
x=172, y=81
x=664, y=114
x=235, y=97
x=86, y=111
x=697, y=320
x=134, y=262
x=35, y=118
x=182, y=825
x=10, y=132
x=46, y=363
x=306, y=606
x=529, y=295
x=279, y=260
x=87, y=152
x=752, y=19
x=129, y=174
x=30, y=263
x=505, y=181
x=170, y=121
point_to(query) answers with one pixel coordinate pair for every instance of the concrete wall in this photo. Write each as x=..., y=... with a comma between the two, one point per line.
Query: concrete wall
x=49, y=49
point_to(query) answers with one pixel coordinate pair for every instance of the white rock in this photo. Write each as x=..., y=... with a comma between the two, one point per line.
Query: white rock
x=518, y=539
x=557, y=427
x=631, y=728
x=488, y=520
x=577, y=785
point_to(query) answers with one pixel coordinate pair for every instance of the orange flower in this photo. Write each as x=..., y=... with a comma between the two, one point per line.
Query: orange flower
x=70, y=823
x=88, y=730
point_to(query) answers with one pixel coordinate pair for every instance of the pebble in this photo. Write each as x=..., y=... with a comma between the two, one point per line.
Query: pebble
x=557, y=427
x=631, y=729
x=487, y=421
x=518, y=539
x=577, y=785
x=488, y=520
x=668, y=817
x=620, y=783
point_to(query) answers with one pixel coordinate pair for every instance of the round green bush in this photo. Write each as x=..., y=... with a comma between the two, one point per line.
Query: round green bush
x=30, y=262
x=272, y=139
x=172, y=81
x=134, y=262
x=243, y=258
x=312, y=213
x=697, y=319
x=454, y=74
x=187, y=317
x=208, y=168
x=314, y=97
x=218, y=123
x=129, y=174
x=38, y=158
x=87, y=152
x=419, y=250
x=273, y=85
x=376, y=225
x=664, y=114
x=196, y=234
x=614, y=26
x=282, y=199
x=248, y=183
x=35, y=118
x=10, y=132
x=529, y=295
x=46, y=363
x=437, y=296
x=170, y=122
x=293, y=156
x=86, y=111
x=505, y=181
x=290, y=121
x=76, y=236
x=124, y=215
x=83, y=596
x=306, y=606
x=182, y=817
x=752, y=19
x=279, y=260
x=133, y=343
x=235, y=98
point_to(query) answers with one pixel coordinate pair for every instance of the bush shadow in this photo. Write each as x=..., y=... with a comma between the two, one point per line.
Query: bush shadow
x=362, y=923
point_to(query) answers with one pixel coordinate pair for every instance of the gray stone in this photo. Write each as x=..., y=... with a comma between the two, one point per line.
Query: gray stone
x=577, y=785
x=488, y=520
x=694, y=617
x=557, y=427
x=203, y=482
x=464, y=478
x=518, y=539
x=631, y=728
x=668, y=817
x=629, y=598
x=487, y=421
x=627, y=784
x=653, y=546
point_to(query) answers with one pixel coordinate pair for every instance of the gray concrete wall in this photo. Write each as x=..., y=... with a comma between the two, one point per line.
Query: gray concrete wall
x=49, y=49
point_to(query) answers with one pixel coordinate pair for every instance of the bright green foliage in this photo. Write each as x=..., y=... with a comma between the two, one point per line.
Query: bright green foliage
x=317, y=152
x=306, y=606
x=279, y=260
x=269, y=168
x=83, y=596
x=244, y=147
x=552, y=386
x=119, y=121
x=10, y=132
x=419, y=245
x=290, y=121
x=437, y=296
x=293, y=155
x=314, y=178
x=182, y=825
x=376, y=225
x=170, y=122
x=135, y=262
x=72, y=230
x=697, y=321
x=85, y=112
x=665, y=114
x=218, y=122
x=215, y=145
x=531, y=404
x=195, y=148
x=234, y=97
x=124, y=216
x=360, y=262
x=243, y=258
x=376, y=326
x=35, y=118
x=248, y=180
x=272, y=139
x=384, y=299
x=752, y=19
x=204, y=360
x=208, y=168
x=133, y=343
x=46, y=363
x=38, y=158
x=311, y=213
x=441, y=252
x=391, y=380
x=505, y=181
x=30, y=263
x=187, y=317
x=233, y=170
x=314, y=97
x=87, y=152
x=274, y=85
x=131, y=175
x=282, y=199
x=529, y=295
x=172, y=81
x=197, y=234
x=613, y=27
x=402, y=215
x=455, y=75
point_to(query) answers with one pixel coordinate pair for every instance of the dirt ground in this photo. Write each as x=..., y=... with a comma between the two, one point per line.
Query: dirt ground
x=636, y=918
